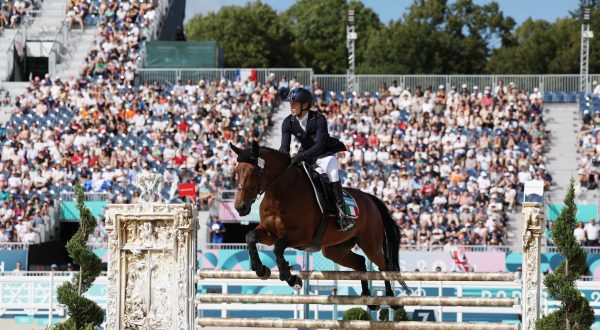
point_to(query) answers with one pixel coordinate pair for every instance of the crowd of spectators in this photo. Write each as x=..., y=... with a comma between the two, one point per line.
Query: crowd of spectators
x=101, y=130
x=449, y=163
x=13, y=11
x=589, y=151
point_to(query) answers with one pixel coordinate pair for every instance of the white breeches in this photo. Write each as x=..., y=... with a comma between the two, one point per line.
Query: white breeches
x=329, y=166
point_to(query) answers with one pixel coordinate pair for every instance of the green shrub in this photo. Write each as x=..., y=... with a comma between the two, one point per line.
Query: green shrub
x=399, y=314
x=357, y=314
x=83, y=313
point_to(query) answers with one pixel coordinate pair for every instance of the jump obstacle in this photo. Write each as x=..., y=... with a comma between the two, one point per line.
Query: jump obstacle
x=533, y=224
x=152, y=253
x=356, y=300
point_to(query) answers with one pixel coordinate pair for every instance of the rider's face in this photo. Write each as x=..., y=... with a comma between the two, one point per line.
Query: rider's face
x=296, y=108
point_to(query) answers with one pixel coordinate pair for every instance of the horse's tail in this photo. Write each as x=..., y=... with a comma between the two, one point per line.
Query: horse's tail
x=391, y=243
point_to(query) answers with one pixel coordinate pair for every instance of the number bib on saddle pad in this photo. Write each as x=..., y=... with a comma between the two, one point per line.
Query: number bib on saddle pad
x=351, y=206
x=327, y=206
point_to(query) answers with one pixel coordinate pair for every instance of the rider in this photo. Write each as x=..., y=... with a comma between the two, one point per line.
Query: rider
x=310, y=128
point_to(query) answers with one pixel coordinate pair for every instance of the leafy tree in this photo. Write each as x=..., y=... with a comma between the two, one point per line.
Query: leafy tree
x=251, y=36
x=575, y=312
x=318, y=29
x=435, y=37
x=83, y=313
x=532, y=54
x=541, y=47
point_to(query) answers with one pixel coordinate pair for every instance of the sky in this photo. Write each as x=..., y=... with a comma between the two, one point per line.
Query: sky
x=388, y=10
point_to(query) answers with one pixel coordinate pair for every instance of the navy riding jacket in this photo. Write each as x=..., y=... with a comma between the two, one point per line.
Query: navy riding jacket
x=315, y=141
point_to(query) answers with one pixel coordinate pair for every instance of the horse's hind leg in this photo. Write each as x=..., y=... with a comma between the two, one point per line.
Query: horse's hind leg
x=258, y=235
x=375, y=254
x=342, y=254
x=284, y=267
x=390, y=293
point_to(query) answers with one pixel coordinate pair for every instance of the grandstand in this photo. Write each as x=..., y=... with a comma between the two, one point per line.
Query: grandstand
x=448, y=154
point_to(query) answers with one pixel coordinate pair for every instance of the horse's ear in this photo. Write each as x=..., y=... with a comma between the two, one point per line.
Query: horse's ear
x=235, y=149
x=255, y=149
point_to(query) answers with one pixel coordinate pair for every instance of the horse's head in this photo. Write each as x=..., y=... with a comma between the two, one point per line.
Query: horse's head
x=248, y=174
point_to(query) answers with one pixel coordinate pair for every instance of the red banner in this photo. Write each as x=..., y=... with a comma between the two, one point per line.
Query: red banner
x=188, y=189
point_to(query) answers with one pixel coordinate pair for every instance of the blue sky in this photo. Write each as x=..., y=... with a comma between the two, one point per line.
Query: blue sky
x=388, y=10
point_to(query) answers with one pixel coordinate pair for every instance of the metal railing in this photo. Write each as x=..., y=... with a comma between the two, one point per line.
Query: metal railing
x=60, y=43
x=18, y=44
x=161, y=12
x=89, y=197
x=566, y=83
x=14, y=246
x=303, y=76
x=551, y=83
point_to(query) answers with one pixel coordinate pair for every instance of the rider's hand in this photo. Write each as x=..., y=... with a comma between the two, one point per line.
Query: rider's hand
x=299, y=157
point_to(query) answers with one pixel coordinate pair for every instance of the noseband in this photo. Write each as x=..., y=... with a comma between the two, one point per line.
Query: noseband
x=256, y=192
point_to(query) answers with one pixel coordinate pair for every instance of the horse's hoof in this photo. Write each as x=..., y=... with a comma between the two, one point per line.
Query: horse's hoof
x=295, y=282
x=373, y=307
x=265, y=273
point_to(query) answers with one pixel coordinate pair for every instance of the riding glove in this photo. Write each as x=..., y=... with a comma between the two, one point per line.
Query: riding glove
x=297, y=159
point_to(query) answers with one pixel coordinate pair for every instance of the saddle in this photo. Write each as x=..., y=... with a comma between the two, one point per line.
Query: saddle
x=324, y=195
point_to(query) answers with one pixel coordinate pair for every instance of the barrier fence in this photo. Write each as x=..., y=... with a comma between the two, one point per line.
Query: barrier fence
x=552, y=83
x=564, y=83
x=217, y=298
x=171, y=76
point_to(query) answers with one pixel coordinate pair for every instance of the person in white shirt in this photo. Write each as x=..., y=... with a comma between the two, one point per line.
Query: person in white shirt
x=483, y=182
x=395, y=90
x=524, y=175
x=30, y=235
x=591, y=231
x=18, y=267
x=579, y=233
x=596, y=90
x=535, y=95
x=3, y=236
x=370, y=155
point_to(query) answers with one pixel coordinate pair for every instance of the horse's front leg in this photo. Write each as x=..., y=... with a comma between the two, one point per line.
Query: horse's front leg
x=258, y=235
x=285, y=273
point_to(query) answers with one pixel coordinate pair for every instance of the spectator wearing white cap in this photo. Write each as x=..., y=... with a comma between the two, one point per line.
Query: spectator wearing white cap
x=536, y=94
x=483, y=182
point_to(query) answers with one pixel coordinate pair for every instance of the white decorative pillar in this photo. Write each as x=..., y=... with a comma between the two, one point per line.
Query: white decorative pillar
x=533, y=228
x=151, y=251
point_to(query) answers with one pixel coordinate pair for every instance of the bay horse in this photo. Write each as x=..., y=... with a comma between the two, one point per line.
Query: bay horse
x=290, y=215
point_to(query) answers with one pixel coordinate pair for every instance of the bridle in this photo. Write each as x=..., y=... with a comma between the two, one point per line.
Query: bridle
x=259, y=169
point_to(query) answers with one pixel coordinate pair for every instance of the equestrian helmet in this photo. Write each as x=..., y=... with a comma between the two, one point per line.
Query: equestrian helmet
x=299, y=94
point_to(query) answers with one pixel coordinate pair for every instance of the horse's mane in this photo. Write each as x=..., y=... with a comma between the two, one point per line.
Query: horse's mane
x=284, y=157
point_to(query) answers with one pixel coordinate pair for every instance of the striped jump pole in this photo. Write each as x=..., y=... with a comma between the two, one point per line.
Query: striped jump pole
x=365, y=276
x=409, y=325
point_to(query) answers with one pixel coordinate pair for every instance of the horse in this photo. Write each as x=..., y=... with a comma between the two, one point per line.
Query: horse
x=290, y=215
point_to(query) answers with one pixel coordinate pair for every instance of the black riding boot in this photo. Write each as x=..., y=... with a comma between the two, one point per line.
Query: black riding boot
x=344, y=222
